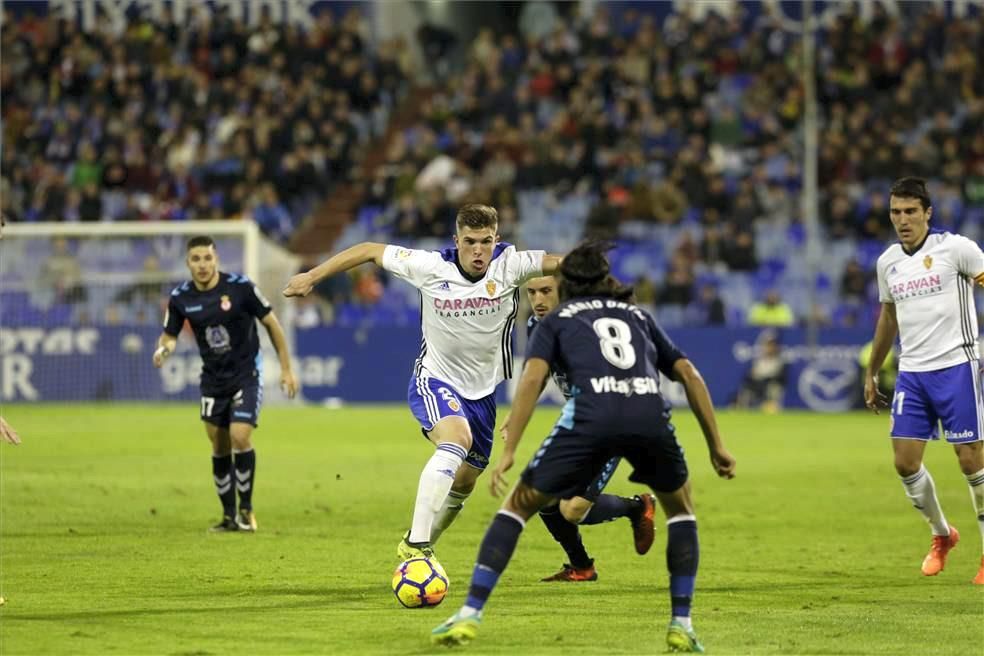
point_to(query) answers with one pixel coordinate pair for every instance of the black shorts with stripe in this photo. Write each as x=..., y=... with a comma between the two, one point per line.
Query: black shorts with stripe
x=571, y=462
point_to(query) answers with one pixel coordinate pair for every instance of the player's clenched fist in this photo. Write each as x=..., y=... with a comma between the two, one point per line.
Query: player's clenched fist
x=299, y=285
x=723, y=462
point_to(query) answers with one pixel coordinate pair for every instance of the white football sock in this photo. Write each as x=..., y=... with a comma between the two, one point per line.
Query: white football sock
x=922, y=493
x=447, y=514
x=685, y=621
x=976, y=483
x=435, y=483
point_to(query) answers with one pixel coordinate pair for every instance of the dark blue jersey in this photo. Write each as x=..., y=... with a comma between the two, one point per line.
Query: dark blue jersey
x=224, y=321
x=559, y=378
x=611, y=353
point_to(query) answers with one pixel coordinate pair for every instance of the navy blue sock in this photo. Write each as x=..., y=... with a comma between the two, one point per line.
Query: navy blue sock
x=493, y=556
x=567, y=535
x=222, y=476
x=608, y=507
x=682, y=556
x=245, y=472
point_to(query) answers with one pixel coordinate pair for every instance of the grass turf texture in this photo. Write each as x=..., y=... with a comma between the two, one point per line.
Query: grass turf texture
x=813, y=549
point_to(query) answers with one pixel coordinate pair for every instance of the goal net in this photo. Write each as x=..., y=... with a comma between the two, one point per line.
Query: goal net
x=81, y=306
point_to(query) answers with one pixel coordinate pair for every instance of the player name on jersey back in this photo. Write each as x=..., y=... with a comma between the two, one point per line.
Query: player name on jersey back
x=932, y=290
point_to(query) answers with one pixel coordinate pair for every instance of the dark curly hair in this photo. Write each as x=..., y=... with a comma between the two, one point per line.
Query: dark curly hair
x=585, y=272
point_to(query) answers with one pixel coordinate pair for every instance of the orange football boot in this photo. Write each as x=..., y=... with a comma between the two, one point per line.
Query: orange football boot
x=979, y=579
x=643, y=529
x=573, y=574
x=935, y=560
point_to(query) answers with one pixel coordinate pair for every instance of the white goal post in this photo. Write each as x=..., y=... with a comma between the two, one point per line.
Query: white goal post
x=81, y=305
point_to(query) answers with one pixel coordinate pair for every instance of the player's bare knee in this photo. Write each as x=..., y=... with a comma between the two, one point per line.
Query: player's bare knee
x=971, y=457
x=575, y=510
x=465, y=479
x=219, y=437
x=676, y=503
x=907, y=465
x=241, y=436
x=454, y=430
x=524, y=501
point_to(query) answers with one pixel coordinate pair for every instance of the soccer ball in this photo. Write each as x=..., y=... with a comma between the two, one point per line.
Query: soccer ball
x=420, y=582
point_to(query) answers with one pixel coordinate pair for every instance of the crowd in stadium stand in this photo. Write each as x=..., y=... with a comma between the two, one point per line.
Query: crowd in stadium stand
x=694, y=125
x=210, y=119
x=679, y=136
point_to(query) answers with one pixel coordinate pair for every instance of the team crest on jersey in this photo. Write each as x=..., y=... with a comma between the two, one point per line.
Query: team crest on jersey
x=404, y=253
x=928, y=262
x=490, y=287
x=225, y=303
x=218, y=339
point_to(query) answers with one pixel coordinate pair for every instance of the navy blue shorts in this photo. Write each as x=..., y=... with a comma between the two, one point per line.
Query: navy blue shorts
x=597, y=486
x=242, y=407
x=431, y=400
x=953, y=397
x=573, y=461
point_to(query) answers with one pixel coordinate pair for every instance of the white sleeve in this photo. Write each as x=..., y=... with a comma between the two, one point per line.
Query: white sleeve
x=523, y=265
x=414, y=266
x=969, y=258
x=884, y=293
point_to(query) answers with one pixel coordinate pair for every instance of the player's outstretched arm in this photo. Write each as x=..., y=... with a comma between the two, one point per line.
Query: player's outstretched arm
x=288, y=382
x=303, y=283
x=535, y=374
x=165, y=347
x=700, y=402
x=551, y=264
x=7, y=433
x=885, y=332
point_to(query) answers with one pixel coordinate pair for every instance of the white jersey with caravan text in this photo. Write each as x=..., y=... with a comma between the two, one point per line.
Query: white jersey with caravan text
x=933, y=293
x=467, y=326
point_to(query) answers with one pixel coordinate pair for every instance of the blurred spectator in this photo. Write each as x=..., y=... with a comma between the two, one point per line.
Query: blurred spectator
x=645, y=291
x=62, y=273
x=854, y=282
x=678, y=286
x=271, y=215
x=710, y=306
x=366, y=287
x=764, y=385
x=145, y=124
x=771, y=311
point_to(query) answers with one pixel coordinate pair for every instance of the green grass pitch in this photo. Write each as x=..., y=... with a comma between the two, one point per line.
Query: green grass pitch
x=812, y=549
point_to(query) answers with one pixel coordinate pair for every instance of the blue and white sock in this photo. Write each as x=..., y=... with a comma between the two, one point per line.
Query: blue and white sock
x=921, y=491
x=435, y=483
x=443, y=518
x=682, y=558
x=976, y=483
x=493, y=556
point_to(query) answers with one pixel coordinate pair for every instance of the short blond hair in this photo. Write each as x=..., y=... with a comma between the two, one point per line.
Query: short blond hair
x=477, y=216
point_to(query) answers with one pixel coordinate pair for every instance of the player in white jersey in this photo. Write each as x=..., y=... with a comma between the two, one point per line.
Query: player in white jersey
x=469, y=301
x=925, y=286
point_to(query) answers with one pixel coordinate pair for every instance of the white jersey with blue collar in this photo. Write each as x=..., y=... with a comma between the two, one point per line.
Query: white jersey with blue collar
x=466, y=325
x=933, y=293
